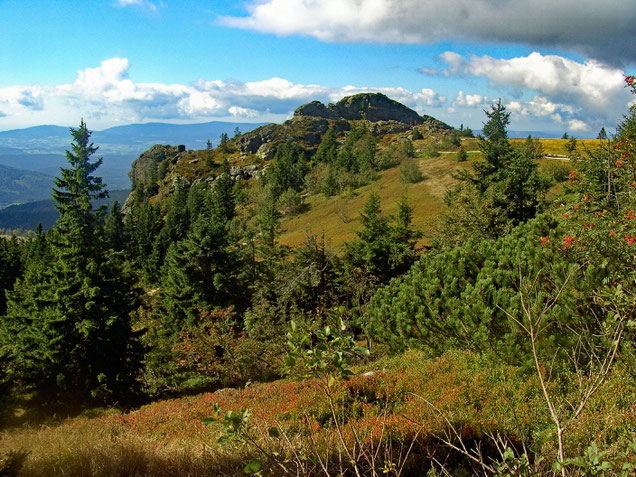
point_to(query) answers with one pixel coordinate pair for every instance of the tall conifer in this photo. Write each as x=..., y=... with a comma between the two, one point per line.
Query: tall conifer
x=68, y=326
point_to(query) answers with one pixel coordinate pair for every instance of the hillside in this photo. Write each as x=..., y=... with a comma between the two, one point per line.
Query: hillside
x=332, y=296
x=19, y=185
x=28, y=216
x=400, y=408
x=338, y=216
x=251, y=152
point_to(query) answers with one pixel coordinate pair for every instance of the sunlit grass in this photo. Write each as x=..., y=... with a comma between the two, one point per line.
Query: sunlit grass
x=338, y=217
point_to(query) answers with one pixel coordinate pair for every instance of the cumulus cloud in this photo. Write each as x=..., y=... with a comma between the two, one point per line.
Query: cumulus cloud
x=22, y=97
x=470, y=100
x=568, y=90
x=108, y=95
x=602, y=30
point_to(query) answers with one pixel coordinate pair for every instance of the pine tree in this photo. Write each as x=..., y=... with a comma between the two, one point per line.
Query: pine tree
x=68, y=330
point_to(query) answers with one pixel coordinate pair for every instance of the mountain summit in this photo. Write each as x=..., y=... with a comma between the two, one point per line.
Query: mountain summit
x=373, y=107
x=311, y=121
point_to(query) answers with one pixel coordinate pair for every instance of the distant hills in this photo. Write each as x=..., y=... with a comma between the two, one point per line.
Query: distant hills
x=129, y=139
x=32, y=156
x=28, y=216
x=17, y=185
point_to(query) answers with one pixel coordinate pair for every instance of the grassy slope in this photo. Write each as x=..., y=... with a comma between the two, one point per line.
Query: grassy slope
x=168, y=437
x=338, y=217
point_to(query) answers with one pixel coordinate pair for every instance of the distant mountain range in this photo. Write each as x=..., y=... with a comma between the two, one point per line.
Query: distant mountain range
x=35, y=154
x=28, y=216
x=130, y=139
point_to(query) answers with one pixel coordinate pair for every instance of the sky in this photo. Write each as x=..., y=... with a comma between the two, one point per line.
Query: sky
x=556, y=65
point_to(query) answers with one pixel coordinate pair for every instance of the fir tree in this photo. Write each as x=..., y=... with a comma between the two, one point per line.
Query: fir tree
x=68, y=331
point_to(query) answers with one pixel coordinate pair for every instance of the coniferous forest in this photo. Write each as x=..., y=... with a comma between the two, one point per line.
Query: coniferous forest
x=176, y=334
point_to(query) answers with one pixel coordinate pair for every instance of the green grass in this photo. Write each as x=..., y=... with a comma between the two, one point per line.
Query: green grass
x=338, y=217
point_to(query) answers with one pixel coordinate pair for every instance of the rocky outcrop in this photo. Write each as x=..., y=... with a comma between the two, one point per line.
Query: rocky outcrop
x=373, y=107
x=148, y=163
x=305, y=130
x=249, y=143
x=315, y=109
x=311, y=121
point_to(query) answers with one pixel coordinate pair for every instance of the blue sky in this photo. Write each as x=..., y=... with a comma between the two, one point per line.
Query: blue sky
x=558, y=66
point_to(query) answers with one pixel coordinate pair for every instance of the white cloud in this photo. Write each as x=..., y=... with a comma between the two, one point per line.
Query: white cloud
x=604, y=30
x=239, y=112
x=567, y=89
x=578, y=126
x=470, y=100
x=107, y=95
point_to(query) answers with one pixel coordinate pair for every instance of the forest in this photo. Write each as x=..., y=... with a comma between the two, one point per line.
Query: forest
x=176, y=335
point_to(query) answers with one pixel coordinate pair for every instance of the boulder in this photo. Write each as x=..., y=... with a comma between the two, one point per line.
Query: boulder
x=315, y=109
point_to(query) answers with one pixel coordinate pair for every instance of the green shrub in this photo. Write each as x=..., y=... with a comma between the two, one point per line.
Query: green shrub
x=410, y=172
x=556, y=172
x=290, y=203
x=432, y=150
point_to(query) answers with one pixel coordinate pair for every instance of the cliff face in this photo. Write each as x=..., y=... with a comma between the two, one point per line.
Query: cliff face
x=144, y=168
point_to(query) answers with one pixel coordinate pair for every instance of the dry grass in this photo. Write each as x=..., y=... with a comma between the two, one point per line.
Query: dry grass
x=167, y=438
x=338, y=217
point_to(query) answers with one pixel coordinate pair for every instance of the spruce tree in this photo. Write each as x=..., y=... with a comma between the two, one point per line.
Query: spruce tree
x=495, y=146
x=114, y=228
x=328, y=149
x=200, y=272
x=223, y=197
x=10, y=267
x=372, y=251
x=68, y=326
